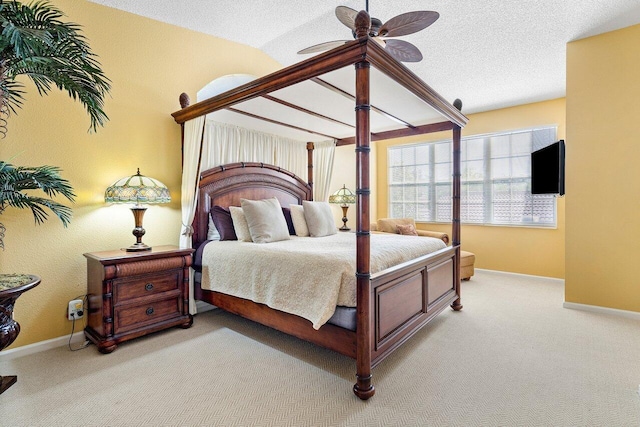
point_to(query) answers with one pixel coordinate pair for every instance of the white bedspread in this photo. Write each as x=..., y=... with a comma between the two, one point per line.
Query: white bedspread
x=305, y=276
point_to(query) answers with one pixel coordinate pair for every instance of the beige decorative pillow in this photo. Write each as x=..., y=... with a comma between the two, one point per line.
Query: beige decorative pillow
x=319, y=218
x=265, y=220
x=389, y=225
x=240, y=225
x=407, y=230
x=299, y=222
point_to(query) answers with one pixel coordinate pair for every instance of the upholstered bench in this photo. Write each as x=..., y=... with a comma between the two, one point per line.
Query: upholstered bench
x=467, y=259
x=390, y=225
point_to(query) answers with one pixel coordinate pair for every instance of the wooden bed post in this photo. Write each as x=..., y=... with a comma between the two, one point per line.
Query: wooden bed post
x=456, y=305
x=184, y=103
x=310, y=148
x=363, y=387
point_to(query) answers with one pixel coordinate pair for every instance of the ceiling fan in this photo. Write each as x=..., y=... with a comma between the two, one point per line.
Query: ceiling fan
x=401, y=25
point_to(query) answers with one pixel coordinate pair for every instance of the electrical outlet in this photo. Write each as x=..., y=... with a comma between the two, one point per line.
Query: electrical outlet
x=76, y=309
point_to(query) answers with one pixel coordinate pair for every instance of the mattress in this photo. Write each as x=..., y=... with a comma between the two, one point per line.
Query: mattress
x=305, y=276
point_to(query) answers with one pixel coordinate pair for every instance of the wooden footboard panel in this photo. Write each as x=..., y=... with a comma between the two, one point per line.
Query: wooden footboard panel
x=404, y=298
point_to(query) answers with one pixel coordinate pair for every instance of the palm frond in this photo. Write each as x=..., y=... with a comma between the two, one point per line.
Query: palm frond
x=37, y=43
x=13, y=94
x=45, y=178
x=16, y=184
x=38, y=205
x=22, y=40
x=87, y=87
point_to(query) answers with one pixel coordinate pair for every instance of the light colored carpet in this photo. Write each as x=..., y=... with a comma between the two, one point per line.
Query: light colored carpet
x=512, y=357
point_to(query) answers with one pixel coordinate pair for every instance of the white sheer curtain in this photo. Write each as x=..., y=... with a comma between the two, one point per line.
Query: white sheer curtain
x=225, y=143
x=193, y=130
x=323, y=154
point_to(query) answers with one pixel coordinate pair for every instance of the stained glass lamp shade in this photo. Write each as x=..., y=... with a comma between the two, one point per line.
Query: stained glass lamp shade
x=138, y=189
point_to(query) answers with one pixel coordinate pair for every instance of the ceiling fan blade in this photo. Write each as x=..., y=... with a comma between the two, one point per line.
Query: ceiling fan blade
x=323, y=46
x=403, y=51
x=408, y=23
x=347, y=16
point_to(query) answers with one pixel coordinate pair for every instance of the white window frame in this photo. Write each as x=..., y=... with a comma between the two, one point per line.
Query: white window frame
x=419, y=181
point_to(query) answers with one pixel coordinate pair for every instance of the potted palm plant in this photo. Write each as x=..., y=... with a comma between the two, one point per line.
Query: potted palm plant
x=36, y=42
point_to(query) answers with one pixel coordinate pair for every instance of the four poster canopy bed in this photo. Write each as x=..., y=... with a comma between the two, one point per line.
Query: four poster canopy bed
x=390, y=302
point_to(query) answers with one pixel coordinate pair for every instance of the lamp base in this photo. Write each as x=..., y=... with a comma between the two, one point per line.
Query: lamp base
x=138, y=214
x=344, y=218
x=138, y=247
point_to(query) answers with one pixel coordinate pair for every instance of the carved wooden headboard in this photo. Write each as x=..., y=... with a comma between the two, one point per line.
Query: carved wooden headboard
x=225, y=185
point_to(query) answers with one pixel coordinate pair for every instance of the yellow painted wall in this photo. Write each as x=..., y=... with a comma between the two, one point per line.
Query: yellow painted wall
x=150, y=64
x=523, y=250
x=603, y=176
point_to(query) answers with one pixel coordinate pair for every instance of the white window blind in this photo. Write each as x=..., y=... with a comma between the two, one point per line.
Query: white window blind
x=495, y=181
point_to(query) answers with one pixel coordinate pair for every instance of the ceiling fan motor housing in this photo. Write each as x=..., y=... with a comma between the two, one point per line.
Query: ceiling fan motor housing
x=375, y=27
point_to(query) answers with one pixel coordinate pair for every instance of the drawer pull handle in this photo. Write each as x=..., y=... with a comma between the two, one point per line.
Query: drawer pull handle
x=149, y=286
x=149, y=311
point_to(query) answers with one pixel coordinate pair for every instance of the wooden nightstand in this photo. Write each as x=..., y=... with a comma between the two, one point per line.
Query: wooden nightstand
x=135, y=293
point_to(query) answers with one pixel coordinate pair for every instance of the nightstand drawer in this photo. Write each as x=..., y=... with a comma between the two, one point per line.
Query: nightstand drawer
x=128, y=289
x=132, y=317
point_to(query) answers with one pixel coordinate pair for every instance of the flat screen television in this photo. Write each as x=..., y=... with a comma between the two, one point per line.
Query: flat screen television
x=547, y=169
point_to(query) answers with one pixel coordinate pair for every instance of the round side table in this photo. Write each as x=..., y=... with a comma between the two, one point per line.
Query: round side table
x=11, y=287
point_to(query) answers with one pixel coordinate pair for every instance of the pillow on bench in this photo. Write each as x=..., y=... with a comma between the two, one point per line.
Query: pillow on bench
x=407, y=230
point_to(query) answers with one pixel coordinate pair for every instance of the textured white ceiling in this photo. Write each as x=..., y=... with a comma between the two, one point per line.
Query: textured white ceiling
x=489, y=53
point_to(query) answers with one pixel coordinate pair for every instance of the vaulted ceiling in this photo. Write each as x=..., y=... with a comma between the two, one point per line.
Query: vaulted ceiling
x=489, y=53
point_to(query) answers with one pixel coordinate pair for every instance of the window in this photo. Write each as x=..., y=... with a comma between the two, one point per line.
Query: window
x=495, y=181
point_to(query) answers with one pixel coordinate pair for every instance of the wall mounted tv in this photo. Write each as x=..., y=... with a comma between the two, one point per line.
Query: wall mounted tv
x=547, y=169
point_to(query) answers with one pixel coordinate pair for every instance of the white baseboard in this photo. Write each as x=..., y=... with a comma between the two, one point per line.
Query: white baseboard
x=520, y=274
x=202, y=307
x=77, y=340
x=572, y=305
x=603, y=310
x=25, y=350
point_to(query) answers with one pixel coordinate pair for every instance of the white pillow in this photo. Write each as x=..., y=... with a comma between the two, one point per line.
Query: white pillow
x=265, y=220
x=240, y=225
x=212, y=231
x=319, y=219
x=299, y=223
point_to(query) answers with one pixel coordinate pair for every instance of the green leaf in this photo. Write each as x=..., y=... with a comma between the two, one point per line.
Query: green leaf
x=17, y=185
x=36, y=42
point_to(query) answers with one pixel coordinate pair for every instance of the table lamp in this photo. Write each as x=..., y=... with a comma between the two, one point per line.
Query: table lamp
x=138, y=189
x=344, y=197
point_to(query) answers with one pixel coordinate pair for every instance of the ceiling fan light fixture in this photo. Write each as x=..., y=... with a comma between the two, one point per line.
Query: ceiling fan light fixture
x=380, y=41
